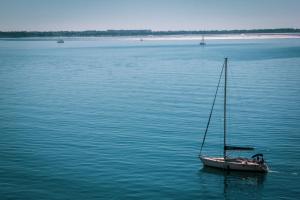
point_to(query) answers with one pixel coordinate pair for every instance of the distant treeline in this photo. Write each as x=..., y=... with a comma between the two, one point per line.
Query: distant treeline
x=94, y=33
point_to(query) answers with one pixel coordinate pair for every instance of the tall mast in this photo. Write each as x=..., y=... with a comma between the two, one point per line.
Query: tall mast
x=225, y=93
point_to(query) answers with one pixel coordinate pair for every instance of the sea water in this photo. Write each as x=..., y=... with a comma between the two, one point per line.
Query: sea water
x=111, y=118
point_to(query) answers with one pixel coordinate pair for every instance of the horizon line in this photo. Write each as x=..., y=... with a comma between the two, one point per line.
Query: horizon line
x=150, y=30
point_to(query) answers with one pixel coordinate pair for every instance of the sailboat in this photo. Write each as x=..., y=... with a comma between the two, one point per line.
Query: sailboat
x=255, y=164
x=202, y=41
x=60, y=41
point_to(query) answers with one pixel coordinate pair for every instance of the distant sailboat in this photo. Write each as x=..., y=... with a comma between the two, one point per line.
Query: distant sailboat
x=60, y=41
x=255, y=164
x=202, y=43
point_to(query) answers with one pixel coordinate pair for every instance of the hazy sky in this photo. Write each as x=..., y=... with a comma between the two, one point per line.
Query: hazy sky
x=147, y=14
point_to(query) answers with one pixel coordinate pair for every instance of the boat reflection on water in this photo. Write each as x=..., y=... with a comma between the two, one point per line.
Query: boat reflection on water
x=235, y=183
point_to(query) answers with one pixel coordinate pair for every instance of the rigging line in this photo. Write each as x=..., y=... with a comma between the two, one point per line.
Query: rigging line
x=212, y=108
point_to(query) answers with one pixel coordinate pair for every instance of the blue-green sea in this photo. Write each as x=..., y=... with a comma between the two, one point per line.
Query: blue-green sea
x=114, y=118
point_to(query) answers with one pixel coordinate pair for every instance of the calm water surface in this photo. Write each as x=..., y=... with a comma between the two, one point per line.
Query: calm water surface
x=120, y=119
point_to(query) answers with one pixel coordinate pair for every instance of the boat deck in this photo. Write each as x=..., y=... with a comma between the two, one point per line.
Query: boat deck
x=238, y=163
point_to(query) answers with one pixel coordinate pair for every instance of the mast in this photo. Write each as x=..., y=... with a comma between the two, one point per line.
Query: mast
x=225, y=95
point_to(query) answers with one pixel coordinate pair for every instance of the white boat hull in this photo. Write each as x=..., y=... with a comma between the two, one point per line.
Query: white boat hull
x=241, y=164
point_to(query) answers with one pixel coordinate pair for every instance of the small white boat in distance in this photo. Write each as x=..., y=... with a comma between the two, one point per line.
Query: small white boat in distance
x=255, y=164
x=60, y=41
x=242, y=164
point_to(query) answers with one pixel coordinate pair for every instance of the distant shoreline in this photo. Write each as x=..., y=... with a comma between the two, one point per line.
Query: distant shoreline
x=145, y=38
x=248, y=36
x=144, y=33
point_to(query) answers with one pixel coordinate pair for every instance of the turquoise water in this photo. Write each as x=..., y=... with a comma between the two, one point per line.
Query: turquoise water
x=119, y=119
